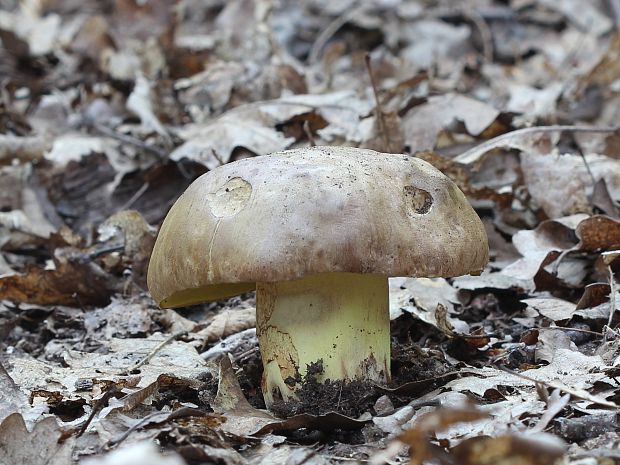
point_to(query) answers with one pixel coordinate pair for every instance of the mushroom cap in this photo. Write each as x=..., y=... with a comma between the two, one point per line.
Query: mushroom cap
x=296, y=213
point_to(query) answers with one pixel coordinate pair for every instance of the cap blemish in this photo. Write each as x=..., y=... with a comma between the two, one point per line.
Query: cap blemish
x=417, y=201
x=230, y=199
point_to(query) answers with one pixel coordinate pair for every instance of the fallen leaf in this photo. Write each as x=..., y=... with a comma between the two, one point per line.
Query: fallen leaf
x=12, y=400
x=253, y=126
x=422, y=125
x=417, y=438
x=554, y=309
x=227, y=322
x=41, y=445
x=76, y=280
x=522, y=449
x=140, y=103
x=598, y=233
x=142, y=453
x=533, y=104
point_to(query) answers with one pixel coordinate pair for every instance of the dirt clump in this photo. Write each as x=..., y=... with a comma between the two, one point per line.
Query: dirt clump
x=348, y=398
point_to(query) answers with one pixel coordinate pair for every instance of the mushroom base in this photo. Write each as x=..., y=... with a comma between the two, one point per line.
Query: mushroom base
x=339, y=319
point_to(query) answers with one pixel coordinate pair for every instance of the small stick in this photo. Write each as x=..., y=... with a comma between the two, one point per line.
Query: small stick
x=378, y=109
x=587, y=165
x=246, y=354
x=577, y=393
x=306, y=128
x=153, y=352
x=330, y=30
x=129, y=140
x=556, y=265
x=106, y=250
x=612, y=295
x=136, y=196
x=217, y=157
x=486, y=36
x=98, y=407
x=471, y=154
x=563, y=328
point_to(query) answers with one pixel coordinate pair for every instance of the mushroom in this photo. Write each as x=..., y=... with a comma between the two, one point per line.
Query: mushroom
x=317, y=232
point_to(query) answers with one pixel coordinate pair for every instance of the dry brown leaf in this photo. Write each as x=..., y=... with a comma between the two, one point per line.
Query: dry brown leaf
x=230, y=321
x=418, y=437
x=422, y=124
x=598, y=233
x=607, y=69
x=552, y=308
x=559, y=184
x=602, y=199
x=254, y=126
x=129, y=229
x=513, y=449
x=76, y=281
x=594, y=294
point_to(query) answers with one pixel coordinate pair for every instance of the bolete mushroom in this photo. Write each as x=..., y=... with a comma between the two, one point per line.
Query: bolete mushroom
x=317, y=232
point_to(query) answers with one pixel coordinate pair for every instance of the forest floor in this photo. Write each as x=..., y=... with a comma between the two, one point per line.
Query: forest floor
x=110, y=109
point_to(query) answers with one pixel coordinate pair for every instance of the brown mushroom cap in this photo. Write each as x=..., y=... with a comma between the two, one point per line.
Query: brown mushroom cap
x=314, y=210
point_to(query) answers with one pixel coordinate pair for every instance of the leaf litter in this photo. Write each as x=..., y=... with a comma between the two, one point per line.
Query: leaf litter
x=109, y=110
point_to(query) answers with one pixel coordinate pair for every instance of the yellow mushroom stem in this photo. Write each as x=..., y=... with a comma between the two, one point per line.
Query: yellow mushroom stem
x=339, y=318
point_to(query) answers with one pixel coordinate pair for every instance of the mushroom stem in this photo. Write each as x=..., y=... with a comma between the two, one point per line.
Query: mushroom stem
x=339, y=319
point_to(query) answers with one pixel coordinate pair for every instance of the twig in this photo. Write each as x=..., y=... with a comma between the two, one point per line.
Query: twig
x=378, y=109
x=497, y=141
x=577, y=393
x=311, y=454
x=485, y=32
x=182, y=412
x=217, y=157
x=587, y=165
x=129, y=140
x=475, y=336
x=105, y=250
x=245, y=354
x=330, y=30
x=612, y=296
x=136, y=196
x=306, y=128
x=102, y=402
x=556, y=264
x=338, y=458
x=563, y=328
x=153, y=352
